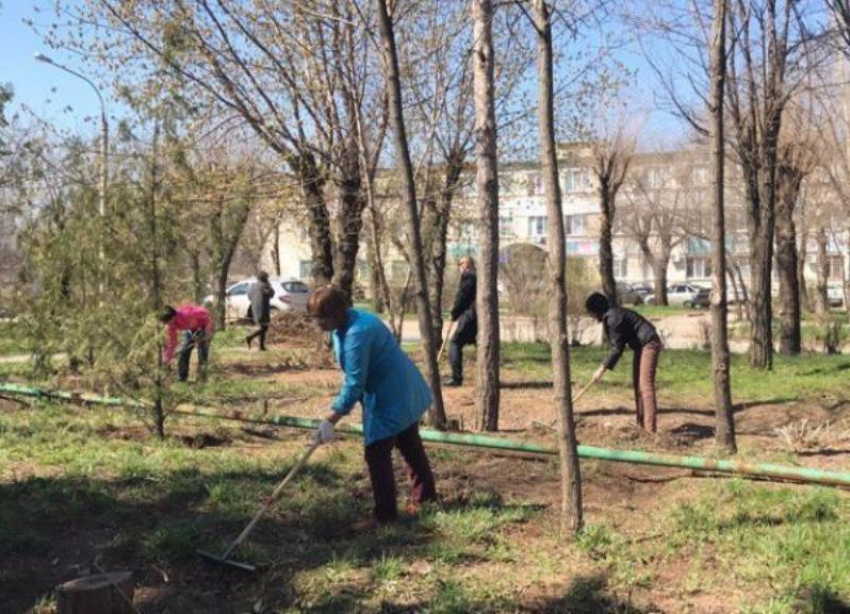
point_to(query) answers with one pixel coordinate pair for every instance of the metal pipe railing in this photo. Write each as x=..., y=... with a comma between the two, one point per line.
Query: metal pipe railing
x=489, y=442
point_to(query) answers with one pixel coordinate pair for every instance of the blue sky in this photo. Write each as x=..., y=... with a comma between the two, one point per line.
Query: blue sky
x=69, y=103
x=44, y=88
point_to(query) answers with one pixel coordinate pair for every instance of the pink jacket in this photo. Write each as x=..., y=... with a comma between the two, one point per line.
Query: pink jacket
x=189, y=317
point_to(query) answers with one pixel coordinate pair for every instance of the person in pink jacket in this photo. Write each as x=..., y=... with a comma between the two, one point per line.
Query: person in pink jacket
x=196, y=324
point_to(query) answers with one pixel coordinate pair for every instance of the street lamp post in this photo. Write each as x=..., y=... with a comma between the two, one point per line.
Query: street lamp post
x=104, y=148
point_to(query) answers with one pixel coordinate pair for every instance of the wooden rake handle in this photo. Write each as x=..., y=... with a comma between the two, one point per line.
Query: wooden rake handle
x=576, y=398
x=445, y=342
x=275, y=496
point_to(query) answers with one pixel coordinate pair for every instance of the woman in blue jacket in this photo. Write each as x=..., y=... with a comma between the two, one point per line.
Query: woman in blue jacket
x=392, y=392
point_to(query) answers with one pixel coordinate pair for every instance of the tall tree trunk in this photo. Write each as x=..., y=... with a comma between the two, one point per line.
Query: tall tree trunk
x=802, y=255
x=390, y=67
x=821, y=299
x=724, y=416
x=439, y=252
x=606, y=249
x=745, y=295
x=156, y=282
x=487, y=181
x=737, y=293
x=790, y=339
x=312, y=183
x=571, y=504
x=374, y=278
x=225, y=232
x=276, y=247
x=349, y=223
x=659, y=270
x=197, y=276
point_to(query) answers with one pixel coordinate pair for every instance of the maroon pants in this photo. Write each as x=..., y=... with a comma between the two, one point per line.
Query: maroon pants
x=380, y=461
x=643, y=380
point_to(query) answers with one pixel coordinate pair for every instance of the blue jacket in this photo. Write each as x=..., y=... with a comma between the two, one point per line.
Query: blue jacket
x=378, y=375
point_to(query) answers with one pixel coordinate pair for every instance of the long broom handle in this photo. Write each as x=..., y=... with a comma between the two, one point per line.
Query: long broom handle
x=445, y=342
x=273, y=498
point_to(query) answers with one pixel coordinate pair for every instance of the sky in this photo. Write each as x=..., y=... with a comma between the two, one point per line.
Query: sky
x=69, y=103
x=50, y=93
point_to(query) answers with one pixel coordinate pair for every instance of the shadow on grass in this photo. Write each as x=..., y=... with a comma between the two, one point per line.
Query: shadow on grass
x=820, y=600
x=585, y=595
x=52, y=529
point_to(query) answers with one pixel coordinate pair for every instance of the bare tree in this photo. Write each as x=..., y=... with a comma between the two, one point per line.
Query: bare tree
x=659, y=197
x=487, y=181
x=396, y=115
x=611, y=158
x=797, y=159
x=724, y=430
x=571, y=503
x=768, y=57
x=294, y=72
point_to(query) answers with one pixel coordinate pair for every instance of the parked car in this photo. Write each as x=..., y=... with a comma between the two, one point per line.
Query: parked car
x=289, y=295
x=835, y=295
x=684, y=295
x=626, y=294
x=643, y=290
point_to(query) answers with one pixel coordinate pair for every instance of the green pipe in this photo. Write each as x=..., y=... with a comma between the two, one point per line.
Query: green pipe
x=763, y=470
x=637, y=457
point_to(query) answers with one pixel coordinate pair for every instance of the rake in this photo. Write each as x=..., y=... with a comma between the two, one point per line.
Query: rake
x=224, y=559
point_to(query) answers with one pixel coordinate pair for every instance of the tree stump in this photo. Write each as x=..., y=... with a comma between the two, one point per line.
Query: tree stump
x=100, y=594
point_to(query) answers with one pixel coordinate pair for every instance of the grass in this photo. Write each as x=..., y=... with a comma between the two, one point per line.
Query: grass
x=79, y=483
x=12, y=338
x=682, y=374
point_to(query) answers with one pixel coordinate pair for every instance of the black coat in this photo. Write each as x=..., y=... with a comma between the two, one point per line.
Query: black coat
x=260, y=294
x=626, y=328
x=463, y=310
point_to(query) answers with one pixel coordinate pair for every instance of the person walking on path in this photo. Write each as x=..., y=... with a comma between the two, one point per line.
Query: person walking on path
x=260, y=294
x=196, y=324
x=463, y=313
x=392, y=393
x=624, y=327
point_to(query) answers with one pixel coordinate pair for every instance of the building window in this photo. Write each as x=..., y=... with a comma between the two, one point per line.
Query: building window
x=305, y=269
x=575, y=180
x=537, y=226
x=534, y=185
x=575, y=224
x=621, y=268
x=655, y=177
x=506, y=227
x=834, y=268
x=698, y=267
x=305, y=233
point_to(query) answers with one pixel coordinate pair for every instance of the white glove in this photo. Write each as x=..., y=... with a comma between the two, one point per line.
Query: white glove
x=325, y=432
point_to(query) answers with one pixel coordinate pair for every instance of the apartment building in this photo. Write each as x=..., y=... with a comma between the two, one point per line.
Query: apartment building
x=665, y=197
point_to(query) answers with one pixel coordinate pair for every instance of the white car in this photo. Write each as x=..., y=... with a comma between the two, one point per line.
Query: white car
x=289, y=295
x=684, y=295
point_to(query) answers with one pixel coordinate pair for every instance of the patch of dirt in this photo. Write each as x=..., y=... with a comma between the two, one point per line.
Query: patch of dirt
x=295, y=330
x=204, y=440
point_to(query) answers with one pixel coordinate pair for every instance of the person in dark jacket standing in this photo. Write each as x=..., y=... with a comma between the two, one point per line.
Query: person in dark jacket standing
x=463, y=313
x=624, y=328
x=260, y=294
